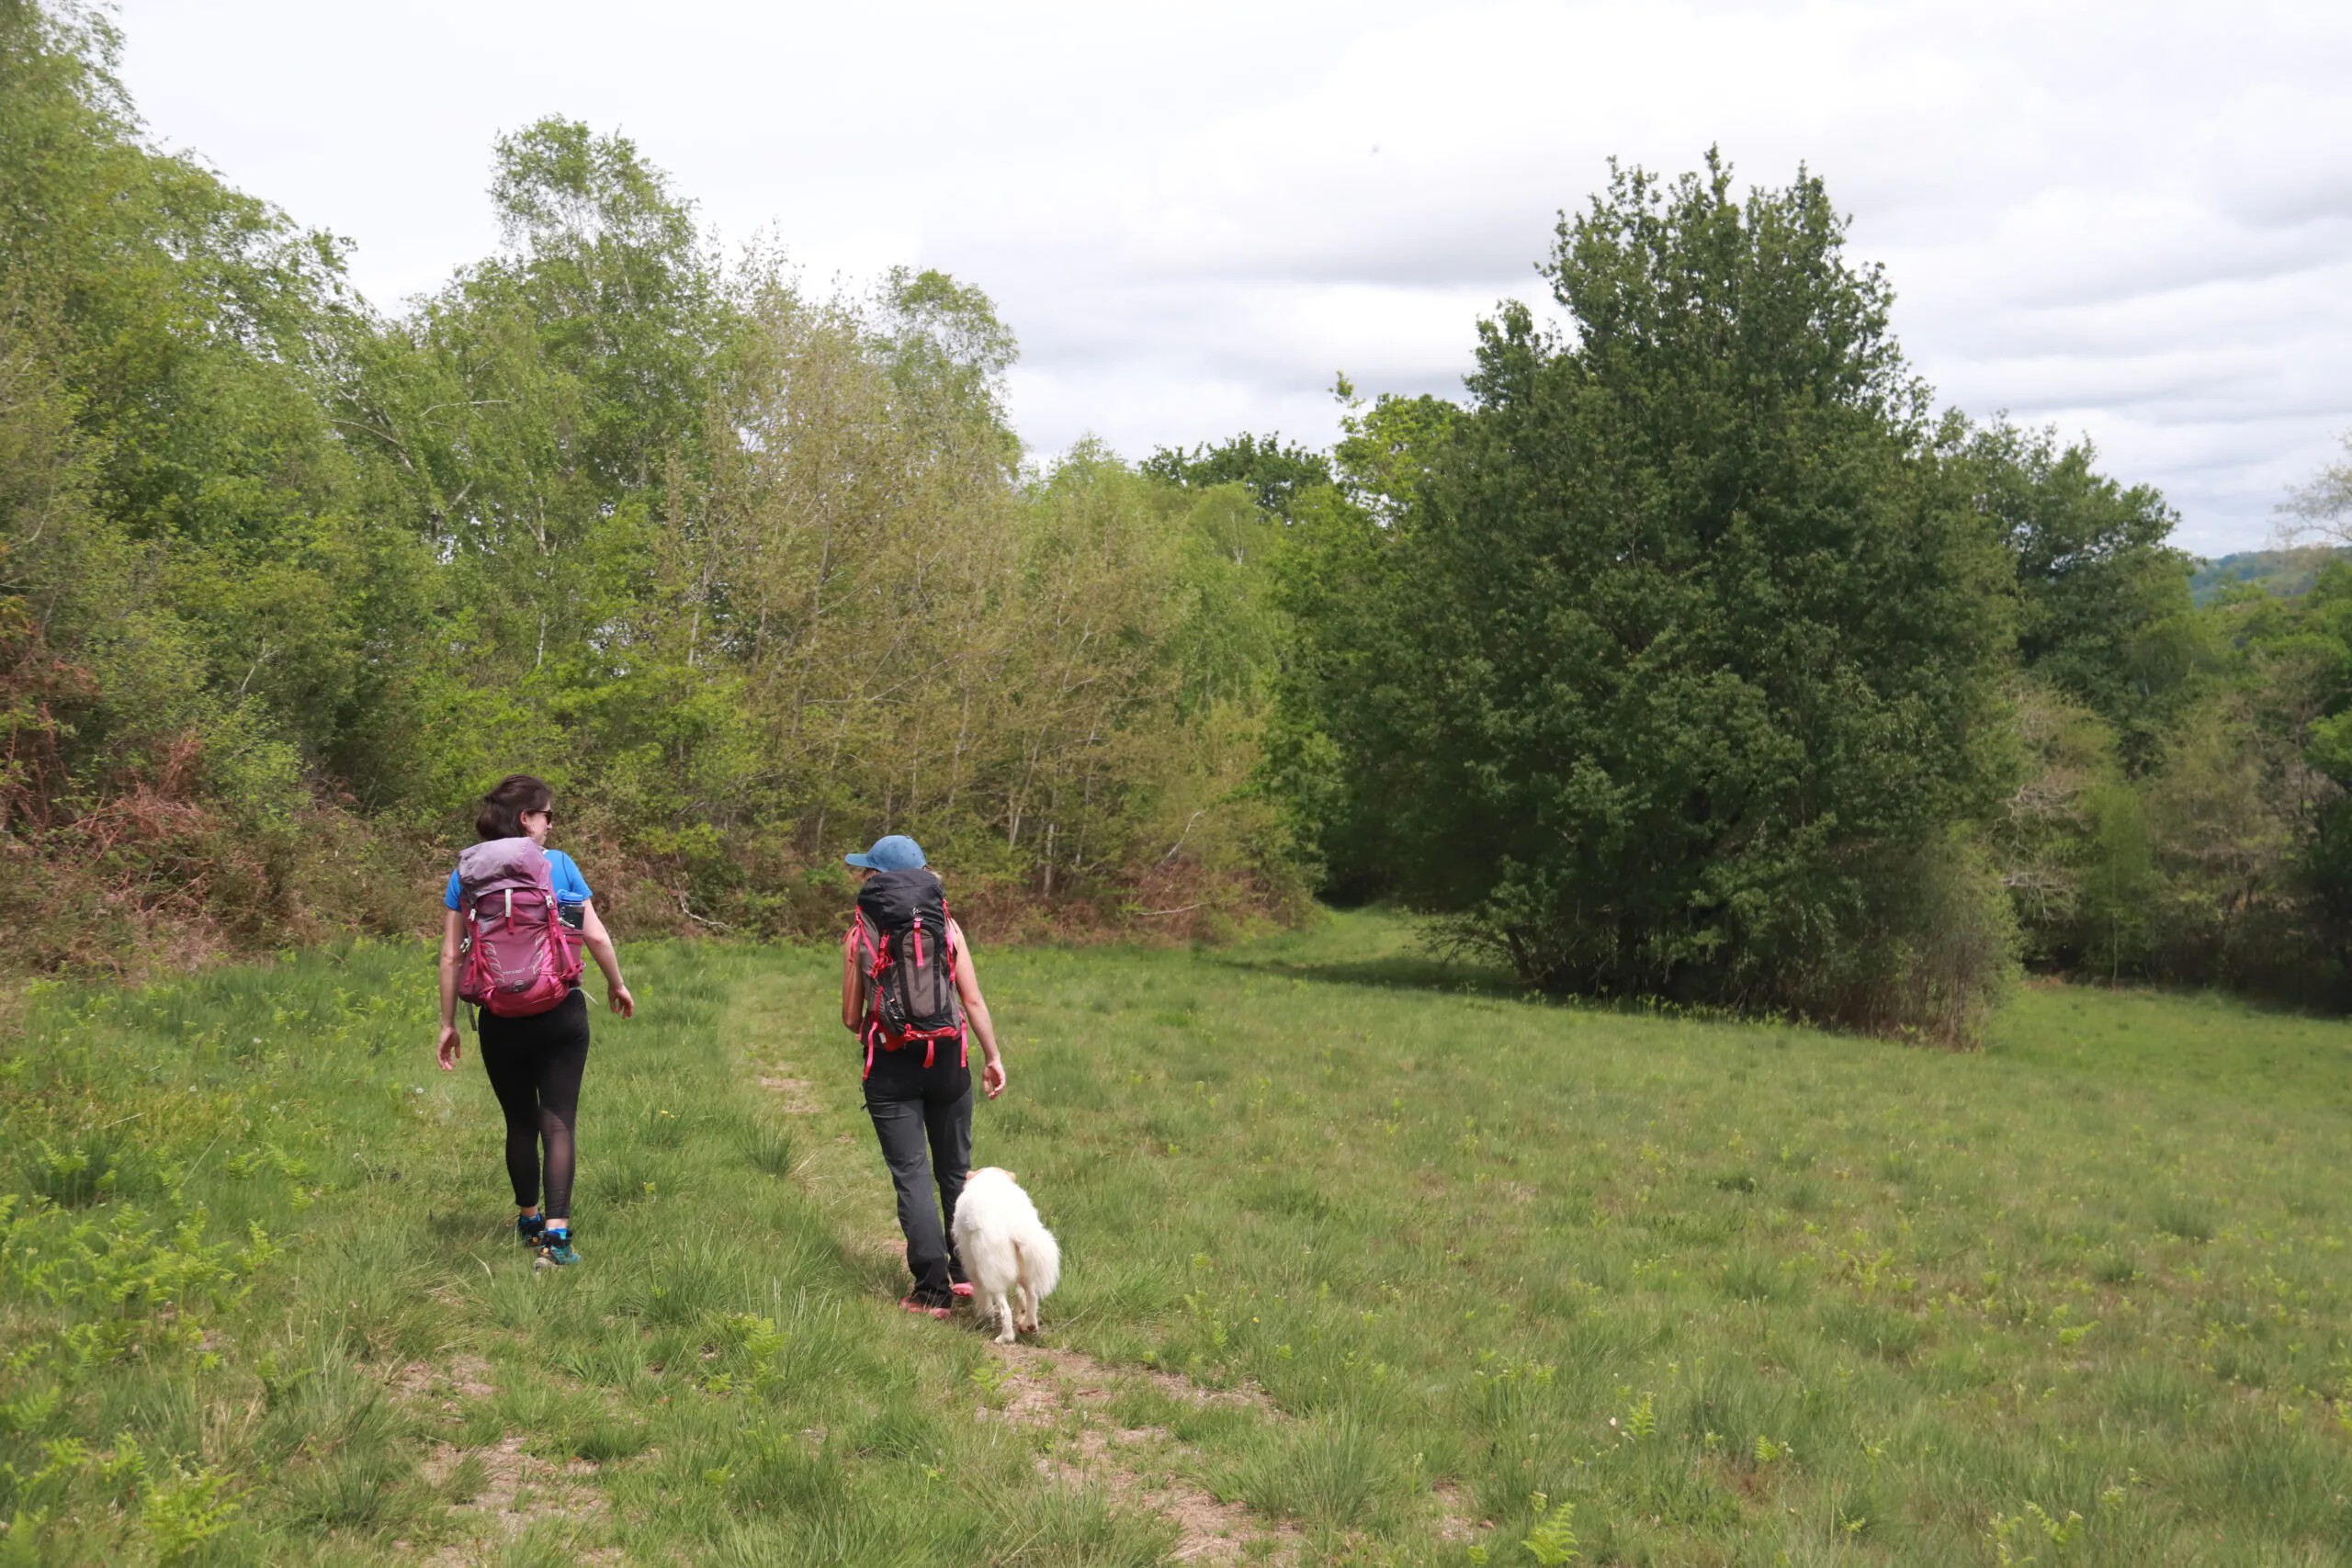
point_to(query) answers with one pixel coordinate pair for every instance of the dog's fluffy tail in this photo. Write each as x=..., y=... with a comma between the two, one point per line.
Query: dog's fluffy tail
x=1041, y=1262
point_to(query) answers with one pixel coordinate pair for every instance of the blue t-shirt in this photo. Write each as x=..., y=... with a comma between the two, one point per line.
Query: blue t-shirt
x=570, y=887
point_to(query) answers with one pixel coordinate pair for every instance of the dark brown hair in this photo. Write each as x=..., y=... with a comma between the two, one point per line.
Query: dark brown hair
x=502, y=809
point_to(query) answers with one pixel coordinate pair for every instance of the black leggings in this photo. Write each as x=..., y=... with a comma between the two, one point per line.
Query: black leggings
x=535, y=1065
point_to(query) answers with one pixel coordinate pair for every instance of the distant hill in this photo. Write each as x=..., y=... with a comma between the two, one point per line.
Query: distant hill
x=2283, y=572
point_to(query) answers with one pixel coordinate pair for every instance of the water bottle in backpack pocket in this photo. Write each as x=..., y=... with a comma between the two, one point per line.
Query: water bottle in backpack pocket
x=520, y=957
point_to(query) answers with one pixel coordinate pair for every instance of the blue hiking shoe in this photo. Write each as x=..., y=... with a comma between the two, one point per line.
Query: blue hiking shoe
x=556, y=1251
x=531, y=1230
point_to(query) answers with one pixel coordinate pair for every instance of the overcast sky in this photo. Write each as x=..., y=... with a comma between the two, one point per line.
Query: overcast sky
x=2133, y=219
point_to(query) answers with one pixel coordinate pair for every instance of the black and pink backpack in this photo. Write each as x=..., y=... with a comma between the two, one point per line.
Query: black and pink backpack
x=909, y=963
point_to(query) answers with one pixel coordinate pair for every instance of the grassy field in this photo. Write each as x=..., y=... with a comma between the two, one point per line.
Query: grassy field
x=1365, y=1257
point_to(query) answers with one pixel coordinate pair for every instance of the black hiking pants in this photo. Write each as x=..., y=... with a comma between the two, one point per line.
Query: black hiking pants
x=923, y=1118
x=535, y=1065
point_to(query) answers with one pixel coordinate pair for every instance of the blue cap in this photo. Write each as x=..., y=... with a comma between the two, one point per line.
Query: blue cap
x=894, y=851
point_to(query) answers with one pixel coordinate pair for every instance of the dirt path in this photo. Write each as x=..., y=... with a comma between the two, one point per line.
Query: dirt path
x=1108, y=1431
x=1064, y=1396
x=1071, y=1394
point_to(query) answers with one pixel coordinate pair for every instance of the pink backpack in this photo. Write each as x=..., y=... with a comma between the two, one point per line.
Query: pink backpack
x=519, y=957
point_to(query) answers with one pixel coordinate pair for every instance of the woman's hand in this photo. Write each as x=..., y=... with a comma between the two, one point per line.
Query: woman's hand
x=448, y=1049
x=992, y=1076
x=616, y=997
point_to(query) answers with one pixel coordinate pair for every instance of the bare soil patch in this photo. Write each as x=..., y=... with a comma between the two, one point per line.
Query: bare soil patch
x=799, y=1095
x=421, y=1382
x=1057, y=1389
x=508, y=1491
x=516, y=1491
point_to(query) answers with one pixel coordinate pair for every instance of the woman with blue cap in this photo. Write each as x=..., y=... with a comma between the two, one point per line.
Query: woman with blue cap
x=910, y=994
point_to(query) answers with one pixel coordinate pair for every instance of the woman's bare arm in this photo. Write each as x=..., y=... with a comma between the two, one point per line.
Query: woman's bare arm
x=453, y=932
x=608, y=959
x=976, y=1011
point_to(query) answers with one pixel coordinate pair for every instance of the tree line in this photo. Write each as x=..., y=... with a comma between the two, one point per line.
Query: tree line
x=750, y=572
x=1693, y=652
x=1697, y=655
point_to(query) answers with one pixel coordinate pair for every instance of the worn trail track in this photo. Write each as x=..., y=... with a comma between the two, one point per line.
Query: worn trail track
x=1063, y=1396
x=1062, y=1400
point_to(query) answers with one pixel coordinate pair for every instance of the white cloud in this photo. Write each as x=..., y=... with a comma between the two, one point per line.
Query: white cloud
x=2131, y=220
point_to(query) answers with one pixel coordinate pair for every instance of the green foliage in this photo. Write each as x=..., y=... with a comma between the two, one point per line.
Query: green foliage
x=748, y=574
x=2212, y=859
x=1273, y=472
x=1673, y=670
x=1387, y=452
x=2256, y=789
x=2119, y=913
x=1551, y=1541
x=1688, y=658
x=183, y=312
x=2105, y=612
x=188, y=584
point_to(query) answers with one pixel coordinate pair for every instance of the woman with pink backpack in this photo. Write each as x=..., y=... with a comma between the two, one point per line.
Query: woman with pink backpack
x=518, y=913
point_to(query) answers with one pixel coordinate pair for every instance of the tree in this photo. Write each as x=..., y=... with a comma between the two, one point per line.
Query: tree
x=195, y=595
x=2254, y=800
x=2105, y=615
x=1274, y=472
x=216, y=585
x=532, y=408
x=1675, y=678
x=2323, y=504
x=1386, y=452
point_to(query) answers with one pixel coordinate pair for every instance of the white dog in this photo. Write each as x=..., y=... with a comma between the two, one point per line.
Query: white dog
x=1008, y=1253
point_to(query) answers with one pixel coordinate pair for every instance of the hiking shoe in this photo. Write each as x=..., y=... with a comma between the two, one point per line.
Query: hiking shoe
x=927, y=1309
x=531, y=1230
x=555, y=1251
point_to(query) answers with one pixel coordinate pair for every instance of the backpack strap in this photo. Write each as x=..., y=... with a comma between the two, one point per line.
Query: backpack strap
x=963, y=1028
x=876, y=952
x=872, y=1033
x=878, y=958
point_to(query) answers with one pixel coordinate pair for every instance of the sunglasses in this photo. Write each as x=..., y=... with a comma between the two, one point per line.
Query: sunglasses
x=549, y=814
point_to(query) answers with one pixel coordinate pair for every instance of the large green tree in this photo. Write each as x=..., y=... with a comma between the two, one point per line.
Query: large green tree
x=533, y=424
x=183, y=326
x=195, y=594
x=1674, y=676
